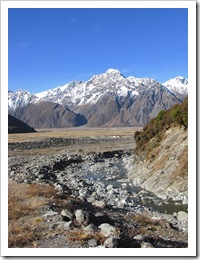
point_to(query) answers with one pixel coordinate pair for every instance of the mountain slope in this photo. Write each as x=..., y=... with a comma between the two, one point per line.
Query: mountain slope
x=160, y=161
x=48, y=115
x=178, y=86
x=107, y=99
x=17, y=126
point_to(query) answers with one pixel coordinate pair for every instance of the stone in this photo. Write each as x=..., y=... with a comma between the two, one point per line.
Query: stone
x=66, y=214
x=92, y=242
x=99, y=203
x=82, y=216
x=63, y=224
x=91, y=228
x=107, y=230
x=182, y=216
x=111, y=242
x=101, y=217
x=139, y=237
x=50, y=214
x=109, y=187
x=90, y=199
x=146, y=245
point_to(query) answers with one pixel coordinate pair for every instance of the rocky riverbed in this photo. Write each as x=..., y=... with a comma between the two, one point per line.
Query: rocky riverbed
x=98, y=182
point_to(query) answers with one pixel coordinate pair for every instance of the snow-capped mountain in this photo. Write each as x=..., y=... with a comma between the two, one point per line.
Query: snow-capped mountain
x=20, y=98
x=178, y=86
x=107, y=99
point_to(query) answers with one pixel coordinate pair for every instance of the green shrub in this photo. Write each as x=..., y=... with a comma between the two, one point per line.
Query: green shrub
x=154, y=130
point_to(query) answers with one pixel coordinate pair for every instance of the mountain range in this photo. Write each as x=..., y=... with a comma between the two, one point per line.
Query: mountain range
x=105, y=100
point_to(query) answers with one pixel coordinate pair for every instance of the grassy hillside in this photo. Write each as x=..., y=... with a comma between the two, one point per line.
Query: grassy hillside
x=153, y=132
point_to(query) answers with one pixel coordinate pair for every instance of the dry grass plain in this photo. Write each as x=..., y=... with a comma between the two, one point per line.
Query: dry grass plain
x=125, y=140
x=74, y=132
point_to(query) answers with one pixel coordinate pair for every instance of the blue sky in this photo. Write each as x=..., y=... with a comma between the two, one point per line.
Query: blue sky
x=51, y=47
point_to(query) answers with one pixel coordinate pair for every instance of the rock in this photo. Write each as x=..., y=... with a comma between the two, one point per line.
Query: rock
x=111, y=242
x=63, y=224
x=101, y=217
x=92, y=242
x=66, y=214
x=146, y=245
x=91, y=228
x=82, y=217
x=99, y=203
x=107, y=230
x=85, y=217
x=139, y=237
x=182, y=216
x=90, y=199
x=109, y=187
x=50, y=214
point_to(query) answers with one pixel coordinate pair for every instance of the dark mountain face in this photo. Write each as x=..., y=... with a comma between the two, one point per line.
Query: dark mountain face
x=48, y=115
x=17, y=126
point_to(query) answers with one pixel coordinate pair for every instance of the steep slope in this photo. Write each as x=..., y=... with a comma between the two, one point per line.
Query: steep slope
x=178, y=86
x=17, y=126
x=48, y=115
x=160, y=162
x=108, y=99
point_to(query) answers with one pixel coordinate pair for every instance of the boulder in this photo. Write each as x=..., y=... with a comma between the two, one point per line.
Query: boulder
x=107, y=230
x=111, y=242
x=146, y=245
x=182, y=216
x=99, y=203
x=91, y=228
x=67, y=215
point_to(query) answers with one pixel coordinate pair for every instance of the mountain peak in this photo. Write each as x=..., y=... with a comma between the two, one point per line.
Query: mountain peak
x=113, y=71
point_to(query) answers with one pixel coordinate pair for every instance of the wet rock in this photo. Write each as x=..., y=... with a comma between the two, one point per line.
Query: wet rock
x=111, y=242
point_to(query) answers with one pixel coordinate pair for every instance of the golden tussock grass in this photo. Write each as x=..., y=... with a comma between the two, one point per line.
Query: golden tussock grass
x=82, y=236
x=24, y=202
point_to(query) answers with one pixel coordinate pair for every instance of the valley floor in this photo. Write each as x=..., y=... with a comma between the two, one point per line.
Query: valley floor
x=69, y=188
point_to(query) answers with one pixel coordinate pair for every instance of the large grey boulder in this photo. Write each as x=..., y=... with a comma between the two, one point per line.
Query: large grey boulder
x=91, y=228
x=107, y=230
x=67, y=215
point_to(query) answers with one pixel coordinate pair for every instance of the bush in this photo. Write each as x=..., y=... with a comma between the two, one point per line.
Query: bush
x=154, y=130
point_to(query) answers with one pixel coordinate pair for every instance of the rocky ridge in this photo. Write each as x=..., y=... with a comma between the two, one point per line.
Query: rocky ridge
x=107, y=99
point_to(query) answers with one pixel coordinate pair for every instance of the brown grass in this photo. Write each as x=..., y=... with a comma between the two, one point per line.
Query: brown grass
x=24, y=202
x=82, y=236
x=74, y=133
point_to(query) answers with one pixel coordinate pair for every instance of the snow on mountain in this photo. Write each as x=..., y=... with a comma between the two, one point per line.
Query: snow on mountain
x=78, y=93
x=178, y=86
x=112, y=83
x=20, y=98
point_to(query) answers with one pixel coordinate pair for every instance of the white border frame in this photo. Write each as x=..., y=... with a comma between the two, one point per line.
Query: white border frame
x=191, y=250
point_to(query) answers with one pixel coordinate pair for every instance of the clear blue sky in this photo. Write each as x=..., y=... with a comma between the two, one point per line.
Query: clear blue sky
x=51, y=47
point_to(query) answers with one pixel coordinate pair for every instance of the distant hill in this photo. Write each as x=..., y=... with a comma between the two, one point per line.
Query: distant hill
x=17, y=126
